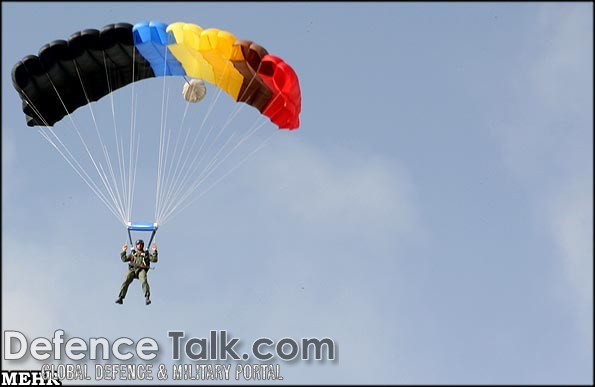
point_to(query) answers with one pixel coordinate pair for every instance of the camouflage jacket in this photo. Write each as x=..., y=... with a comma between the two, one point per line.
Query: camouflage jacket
x=139, y=259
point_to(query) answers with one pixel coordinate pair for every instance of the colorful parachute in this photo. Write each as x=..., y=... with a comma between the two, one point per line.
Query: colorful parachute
x=91, y=64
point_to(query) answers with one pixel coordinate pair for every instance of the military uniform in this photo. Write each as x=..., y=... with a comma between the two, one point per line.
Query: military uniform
x=139, y=263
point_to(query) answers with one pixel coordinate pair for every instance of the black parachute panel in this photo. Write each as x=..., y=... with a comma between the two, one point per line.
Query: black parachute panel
x=69, y=74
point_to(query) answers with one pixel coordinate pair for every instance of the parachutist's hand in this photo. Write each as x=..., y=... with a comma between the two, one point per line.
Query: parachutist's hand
x=125, y=247
x=154, y=247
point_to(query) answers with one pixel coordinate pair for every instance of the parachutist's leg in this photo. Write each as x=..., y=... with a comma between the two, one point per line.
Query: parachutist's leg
x=127, y=281
x=142, y=276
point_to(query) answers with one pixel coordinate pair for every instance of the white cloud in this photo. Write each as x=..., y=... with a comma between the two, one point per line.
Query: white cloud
x=570, y=216
x=8, y=151
x=27, y=290
x=10, y=158
x=566, y=61
x=549, y=147
x=338, y=189
x=552, y=126
x=564, y=84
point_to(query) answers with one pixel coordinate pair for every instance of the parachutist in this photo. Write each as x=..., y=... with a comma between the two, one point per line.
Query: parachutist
x=139, y=262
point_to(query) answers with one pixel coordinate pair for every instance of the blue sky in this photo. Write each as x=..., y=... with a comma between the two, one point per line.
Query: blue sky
x=432, y=215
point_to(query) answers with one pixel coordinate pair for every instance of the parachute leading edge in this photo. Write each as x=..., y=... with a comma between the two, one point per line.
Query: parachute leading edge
x=69, y=74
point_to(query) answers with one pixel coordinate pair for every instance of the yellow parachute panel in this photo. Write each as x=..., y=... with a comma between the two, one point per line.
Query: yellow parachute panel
x=207, y=54
x=185, y=47
x=217, y=47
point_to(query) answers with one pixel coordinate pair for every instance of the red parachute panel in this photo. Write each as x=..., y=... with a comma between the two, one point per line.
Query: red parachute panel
x=286, y=103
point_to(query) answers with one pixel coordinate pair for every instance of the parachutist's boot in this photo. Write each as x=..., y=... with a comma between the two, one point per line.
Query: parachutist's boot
x=147, y=300
x=119, y=301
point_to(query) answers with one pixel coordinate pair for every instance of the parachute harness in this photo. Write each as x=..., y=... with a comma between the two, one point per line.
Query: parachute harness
x=141, y=226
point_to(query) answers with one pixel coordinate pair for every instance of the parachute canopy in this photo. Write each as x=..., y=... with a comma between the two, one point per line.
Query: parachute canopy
x=66, y=75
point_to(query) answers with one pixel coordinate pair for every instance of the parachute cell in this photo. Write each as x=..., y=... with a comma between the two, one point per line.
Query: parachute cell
x=150, y=39
x=253, y=90
x=69, y=74
x=183, y=42
x=285, y=106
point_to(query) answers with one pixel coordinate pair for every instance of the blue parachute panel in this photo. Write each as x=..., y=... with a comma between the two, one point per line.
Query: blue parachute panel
x=150, y=39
